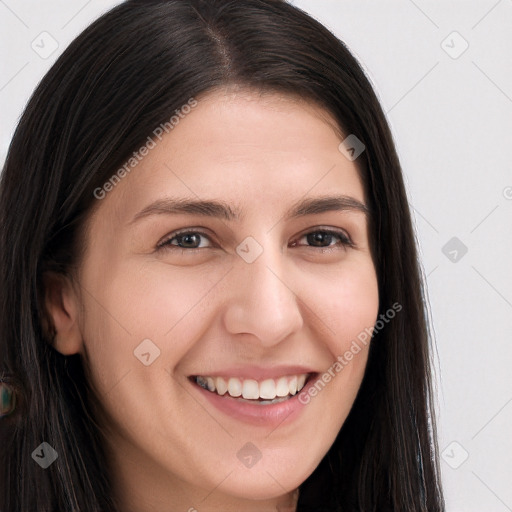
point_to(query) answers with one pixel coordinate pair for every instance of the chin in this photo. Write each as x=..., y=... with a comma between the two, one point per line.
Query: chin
x=266, y=483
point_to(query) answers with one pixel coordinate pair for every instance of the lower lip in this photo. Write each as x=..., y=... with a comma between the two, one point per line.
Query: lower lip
x=280, y=413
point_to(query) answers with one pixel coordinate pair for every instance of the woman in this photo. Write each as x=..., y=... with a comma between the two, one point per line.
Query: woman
x=211, y=298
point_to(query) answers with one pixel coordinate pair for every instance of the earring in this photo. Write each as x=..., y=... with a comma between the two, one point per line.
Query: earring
x=7, y=399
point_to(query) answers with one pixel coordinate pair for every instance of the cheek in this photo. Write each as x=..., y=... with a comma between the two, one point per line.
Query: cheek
x=138, y=302
x=346, y=300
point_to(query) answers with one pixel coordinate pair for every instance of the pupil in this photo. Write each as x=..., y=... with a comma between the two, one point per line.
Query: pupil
x=189, y=239
x=318, y=238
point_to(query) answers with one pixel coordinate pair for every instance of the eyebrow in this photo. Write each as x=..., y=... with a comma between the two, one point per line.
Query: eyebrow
x=222, y=210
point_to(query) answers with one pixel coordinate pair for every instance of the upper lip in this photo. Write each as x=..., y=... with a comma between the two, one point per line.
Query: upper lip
x=257, y=372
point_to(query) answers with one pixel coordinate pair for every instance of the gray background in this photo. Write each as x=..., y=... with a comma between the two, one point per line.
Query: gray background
x=450, y=110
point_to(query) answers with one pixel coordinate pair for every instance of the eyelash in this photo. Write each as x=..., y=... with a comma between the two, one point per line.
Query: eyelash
x=343, y=237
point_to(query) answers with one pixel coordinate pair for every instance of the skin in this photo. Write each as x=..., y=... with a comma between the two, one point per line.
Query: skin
x=208, y=308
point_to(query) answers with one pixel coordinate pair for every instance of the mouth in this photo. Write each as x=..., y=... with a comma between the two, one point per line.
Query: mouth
x=263, y=392
x=258, y=396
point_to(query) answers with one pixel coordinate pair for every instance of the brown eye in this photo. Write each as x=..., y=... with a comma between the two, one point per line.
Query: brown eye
x=319, y=238
x=324, y=238
x=184, y=240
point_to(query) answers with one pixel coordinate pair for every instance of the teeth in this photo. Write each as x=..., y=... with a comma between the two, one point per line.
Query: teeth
x=268, y=390
x=282, y=388
x=250, y=389
x=221, y=385
x=293, y=385
x=202, y=382
x=234, y=387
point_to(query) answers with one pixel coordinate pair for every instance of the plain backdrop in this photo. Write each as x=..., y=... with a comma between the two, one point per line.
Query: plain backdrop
x=443, y=73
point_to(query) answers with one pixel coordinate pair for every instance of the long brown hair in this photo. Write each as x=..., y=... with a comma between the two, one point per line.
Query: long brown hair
x=122, y=77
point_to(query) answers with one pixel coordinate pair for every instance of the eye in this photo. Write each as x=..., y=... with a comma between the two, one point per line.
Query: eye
x=184, y=240
x=319, y=239
x=323, y=238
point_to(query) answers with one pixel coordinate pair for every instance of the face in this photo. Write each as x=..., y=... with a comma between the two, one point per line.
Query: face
x=253, y=295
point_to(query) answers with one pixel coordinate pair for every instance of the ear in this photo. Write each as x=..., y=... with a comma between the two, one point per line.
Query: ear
x=62, y=307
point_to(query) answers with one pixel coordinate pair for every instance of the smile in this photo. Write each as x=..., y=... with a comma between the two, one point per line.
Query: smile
x=268, y=391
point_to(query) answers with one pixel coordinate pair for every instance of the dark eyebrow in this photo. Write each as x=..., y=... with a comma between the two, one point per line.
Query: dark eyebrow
x=222, y=210
x=208, y=208
x=315, y=205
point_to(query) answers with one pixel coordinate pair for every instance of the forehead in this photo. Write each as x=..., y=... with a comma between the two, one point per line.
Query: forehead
x=249, y=148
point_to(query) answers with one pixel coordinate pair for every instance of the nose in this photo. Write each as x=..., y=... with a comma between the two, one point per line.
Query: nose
x=261, y=300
